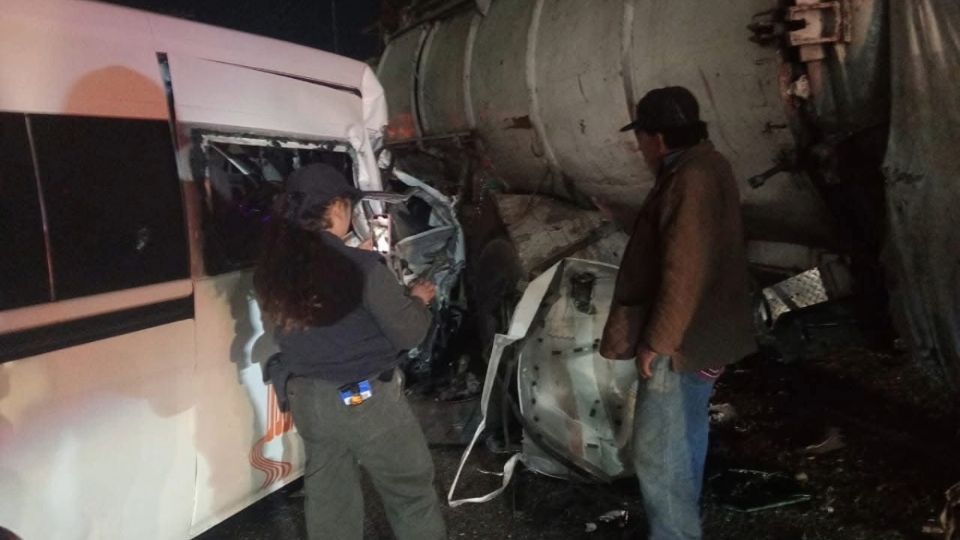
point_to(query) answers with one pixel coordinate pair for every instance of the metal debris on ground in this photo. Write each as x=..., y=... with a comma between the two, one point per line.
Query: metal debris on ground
x=617, y=517
x=932, y=527
x=722, y=414
x=833, y=441
x=465, y=386
x=613, y=518
x=746, y=490
x=949, y=525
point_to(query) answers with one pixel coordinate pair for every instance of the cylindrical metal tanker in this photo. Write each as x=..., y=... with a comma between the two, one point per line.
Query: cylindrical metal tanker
x=815, y=91
x=546, y=84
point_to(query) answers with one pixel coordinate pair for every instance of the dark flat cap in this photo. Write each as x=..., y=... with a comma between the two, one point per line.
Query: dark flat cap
x=311, y=188
x=665, y=108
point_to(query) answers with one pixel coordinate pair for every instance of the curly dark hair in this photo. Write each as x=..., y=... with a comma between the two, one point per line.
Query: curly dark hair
x=301, y=278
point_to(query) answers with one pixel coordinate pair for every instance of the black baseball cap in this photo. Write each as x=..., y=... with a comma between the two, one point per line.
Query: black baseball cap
x=665, y=108
x=314, y=186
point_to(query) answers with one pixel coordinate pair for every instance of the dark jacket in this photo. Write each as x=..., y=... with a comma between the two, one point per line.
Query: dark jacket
x=370, y=339
x=682, y=289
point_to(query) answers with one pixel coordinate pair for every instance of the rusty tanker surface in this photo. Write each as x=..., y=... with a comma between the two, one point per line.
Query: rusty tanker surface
x=837, y=119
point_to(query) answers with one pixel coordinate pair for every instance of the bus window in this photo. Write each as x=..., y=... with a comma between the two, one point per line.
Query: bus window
x=113, y=203
x=239, y=182
x=23, y=261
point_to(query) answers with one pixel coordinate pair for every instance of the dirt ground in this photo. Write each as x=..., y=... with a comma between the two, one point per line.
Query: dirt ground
x=899, y=452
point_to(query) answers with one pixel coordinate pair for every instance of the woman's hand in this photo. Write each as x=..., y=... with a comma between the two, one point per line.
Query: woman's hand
x=425, y=291
x=366, y=244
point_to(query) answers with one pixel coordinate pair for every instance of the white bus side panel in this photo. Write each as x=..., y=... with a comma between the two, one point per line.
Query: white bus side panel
x=78, y=58
x=216, y=94
x=97, y=440
x=246, y=448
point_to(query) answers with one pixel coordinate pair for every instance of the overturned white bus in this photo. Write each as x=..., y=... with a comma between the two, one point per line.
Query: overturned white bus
x=138, y=155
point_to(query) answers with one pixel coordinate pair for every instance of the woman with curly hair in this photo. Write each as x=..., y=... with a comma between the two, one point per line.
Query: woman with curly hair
x=342, y=323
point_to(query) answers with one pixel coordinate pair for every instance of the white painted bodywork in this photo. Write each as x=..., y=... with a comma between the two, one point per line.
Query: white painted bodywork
x=580, y=403
x=152, y=434
x=97, y=440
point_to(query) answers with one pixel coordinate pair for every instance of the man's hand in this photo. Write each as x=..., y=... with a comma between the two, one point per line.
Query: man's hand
x=645, y=358
x=366, y=244
x=425, y=291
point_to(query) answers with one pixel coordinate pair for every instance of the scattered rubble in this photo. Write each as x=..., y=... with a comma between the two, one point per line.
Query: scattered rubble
x=618, y=517
x=722, y=414
x=833, y=441
x=949, y=524
x=614, y=518
x=747, y=490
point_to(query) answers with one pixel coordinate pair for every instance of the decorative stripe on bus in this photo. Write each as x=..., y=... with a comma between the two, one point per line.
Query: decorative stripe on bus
x=278, y=423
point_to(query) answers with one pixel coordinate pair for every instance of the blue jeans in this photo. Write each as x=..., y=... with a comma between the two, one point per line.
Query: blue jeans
x=670, y=434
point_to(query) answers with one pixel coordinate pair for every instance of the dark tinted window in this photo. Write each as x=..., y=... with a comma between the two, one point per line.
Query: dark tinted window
x=23, y=265
x=113, y=203
x=239, y=184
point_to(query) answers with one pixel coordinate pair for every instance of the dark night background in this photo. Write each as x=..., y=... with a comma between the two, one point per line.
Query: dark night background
x=347, y=27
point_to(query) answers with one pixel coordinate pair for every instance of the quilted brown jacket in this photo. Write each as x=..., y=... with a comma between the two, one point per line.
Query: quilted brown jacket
x=682, y=289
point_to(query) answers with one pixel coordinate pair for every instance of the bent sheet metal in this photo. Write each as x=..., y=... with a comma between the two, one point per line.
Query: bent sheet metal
x=572, y=400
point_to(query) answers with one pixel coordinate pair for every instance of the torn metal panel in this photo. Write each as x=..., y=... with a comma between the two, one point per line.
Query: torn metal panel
x=520, y=322
x=815, y=286
x=437, y=254
x=422, y=251
x=578, y=402
x=429, y=247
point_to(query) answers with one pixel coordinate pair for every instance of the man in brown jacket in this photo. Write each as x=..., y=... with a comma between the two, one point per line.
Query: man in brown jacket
x=681, y=306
